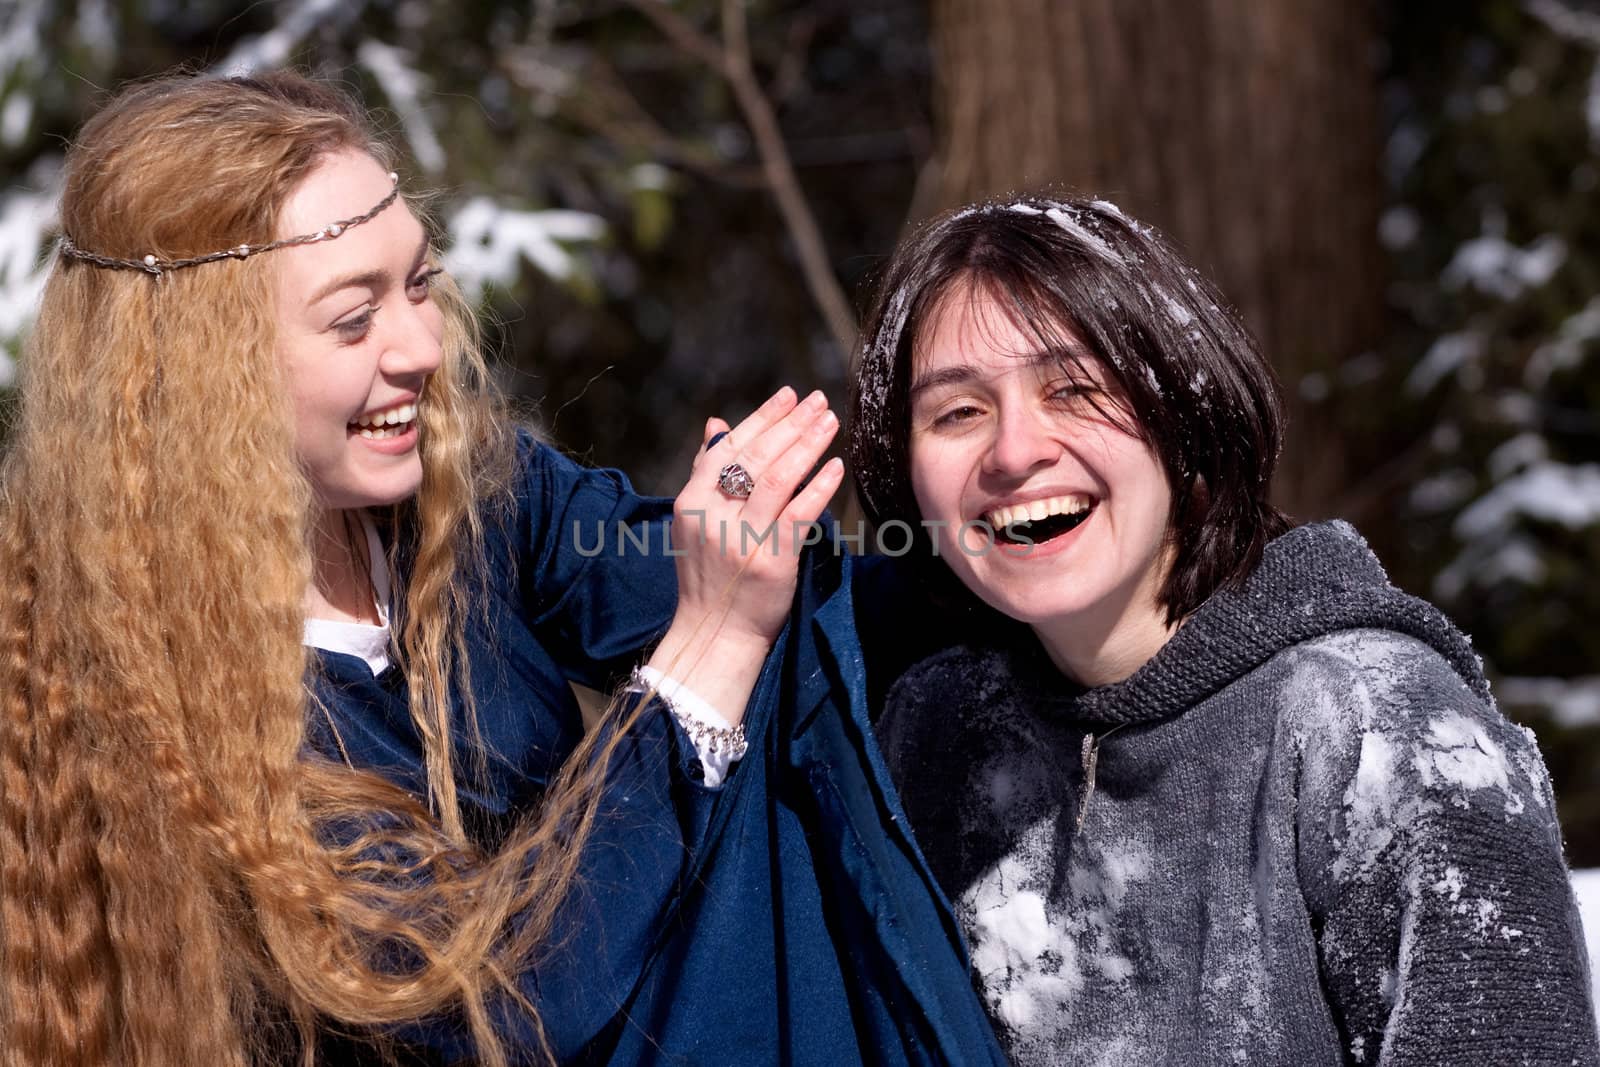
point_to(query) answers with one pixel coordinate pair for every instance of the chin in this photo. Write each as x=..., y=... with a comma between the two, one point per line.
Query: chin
x=1036, y=602
x=1033, y=612
x=368, y=493
x=396, y=494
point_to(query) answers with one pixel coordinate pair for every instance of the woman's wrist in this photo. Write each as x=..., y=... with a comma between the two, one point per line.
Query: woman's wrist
x=717, y=744
x=719, y=665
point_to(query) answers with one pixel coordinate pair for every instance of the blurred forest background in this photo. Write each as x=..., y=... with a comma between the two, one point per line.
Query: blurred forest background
x=669, y=209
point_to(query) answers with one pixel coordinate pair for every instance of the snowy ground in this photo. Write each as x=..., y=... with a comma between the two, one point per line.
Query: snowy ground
x=1587, y=885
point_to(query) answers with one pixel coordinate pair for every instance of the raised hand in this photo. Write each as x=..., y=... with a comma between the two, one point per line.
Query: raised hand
x=737, y=574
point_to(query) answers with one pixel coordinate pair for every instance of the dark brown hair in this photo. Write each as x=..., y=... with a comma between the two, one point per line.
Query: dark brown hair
x=1194, y=383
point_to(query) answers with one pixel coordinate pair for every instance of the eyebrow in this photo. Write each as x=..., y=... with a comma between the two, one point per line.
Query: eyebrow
x=962, y=373
x=368, y=279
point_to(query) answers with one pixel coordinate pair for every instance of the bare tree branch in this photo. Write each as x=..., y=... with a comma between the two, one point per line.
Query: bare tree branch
x=790, y=76
x=682, y=33
x=609, y=108
x=732, y=61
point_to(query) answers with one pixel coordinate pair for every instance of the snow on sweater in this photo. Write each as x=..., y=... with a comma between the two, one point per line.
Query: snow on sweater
x=1310, y=838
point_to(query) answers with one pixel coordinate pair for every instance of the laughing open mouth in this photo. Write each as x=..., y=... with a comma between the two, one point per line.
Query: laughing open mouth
x=1039, y=521
x=391, y=422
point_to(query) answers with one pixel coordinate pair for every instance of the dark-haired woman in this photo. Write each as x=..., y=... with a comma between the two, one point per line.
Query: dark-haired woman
x=1226, y=796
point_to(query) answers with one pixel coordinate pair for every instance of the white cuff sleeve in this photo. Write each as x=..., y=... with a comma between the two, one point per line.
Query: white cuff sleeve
x=715, y=759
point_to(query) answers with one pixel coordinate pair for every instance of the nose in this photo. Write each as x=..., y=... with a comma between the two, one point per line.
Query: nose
x=413, y=347
x=1022, y=442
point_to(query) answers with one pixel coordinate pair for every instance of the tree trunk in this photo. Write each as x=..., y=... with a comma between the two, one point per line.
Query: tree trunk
x=1246, y=129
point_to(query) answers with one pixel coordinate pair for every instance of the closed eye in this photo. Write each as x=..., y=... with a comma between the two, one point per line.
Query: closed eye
x=354, y=330
x=1079, y=400
x=1074, y=391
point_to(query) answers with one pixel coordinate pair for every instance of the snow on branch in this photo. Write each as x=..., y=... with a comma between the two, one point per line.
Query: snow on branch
x=1569, y=701
x=27, y=218
x=1580, y=27
x=489, y=243
x=275, y=47
x=1487, y=564
x=21, y=47
x=403, y=86
x=19, y=37
x=1493, y=265
x=1569, y=347
x=1548, y=491
x=1448, y=354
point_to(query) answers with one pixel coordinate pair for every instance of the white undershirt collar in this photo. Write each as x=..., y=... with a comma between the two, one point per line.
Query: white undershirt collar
x=362, y=640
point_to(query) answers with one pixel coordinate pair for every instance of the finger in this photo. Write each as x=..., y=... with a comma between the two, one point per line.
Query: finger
x=778, y=480
x=762, y=450
x=809, y=503
x=715, y=432
x=716, y=429
x=759, y=452
x=754, y=424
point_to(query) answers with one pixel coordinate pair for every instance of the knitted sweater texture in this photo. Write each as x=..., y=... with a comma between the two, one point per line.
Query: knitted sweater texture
x=1300, y=834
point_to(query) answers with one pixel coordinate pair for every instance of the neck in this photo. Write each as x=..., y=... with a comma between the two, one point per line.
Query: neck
x=1110, y=640
x=341, y=577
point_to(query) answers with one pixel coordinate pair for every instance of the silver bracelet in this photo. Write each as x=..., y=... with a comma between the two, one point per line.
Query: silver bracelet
x=714, y=739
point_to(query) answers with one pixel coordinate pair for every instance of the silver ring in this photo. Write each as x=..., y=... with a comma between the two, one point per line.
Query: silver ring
x=735, y=481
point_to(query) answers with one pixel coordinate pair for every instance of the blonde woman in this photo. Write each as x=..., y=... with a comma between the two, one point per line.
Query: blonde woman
x=289, y=614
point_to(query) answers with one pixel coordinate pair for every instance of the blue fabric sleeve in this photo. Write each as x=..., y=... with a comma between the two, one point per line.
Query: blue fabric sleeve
x=631, y=872
x=596, y=576
x=811, y=931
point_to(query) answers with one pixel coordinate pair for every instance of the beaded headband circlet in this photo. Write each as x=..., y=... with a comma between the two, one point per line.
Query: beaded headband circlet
x=155, y=265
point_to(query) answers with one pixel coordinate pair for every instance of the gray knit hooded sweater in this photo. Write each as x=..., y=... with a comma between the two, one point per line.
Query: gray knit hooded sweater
x=1300, y=834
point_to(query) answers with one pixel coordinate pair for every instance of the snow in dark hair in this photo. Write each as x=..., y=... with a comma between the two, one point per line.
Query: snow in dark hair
x=1193, y=380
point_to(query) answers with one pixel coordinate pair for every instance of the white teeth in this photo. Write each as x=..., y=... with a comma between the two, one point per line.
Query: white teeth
x=395, y=416
x=1037, y=510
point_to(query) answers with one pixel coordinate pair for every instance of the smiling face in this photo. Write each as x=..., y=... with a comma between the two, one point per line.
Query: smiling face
x=1007, y=435
x=358, y=334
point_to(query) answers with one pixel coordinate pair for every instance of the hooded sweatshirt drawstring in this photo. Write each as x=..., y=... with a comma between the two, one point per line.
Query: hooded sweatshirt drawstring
x=1091, y=760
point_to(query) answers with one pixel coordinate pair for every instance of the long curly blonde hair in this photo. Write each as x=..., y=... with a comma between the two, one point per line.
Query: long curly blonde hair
x=165, y=896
